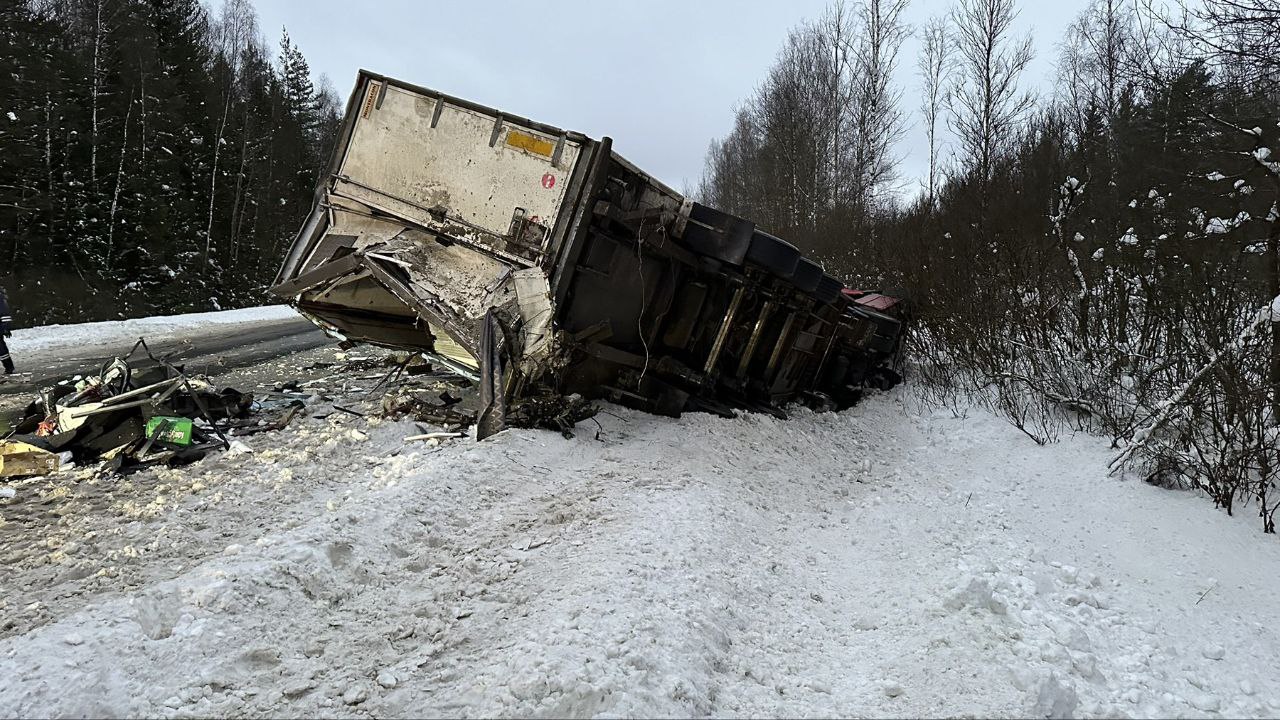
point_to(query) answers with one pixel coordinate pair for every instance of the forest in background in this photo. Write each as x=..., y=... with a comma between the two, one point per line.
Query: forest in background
x=1104, y=258
x=156, y=158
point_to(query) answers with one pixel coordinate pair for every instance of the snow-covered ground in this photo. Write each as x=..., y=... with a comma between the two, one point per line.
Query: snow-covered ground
x=885, y=561
x=88, y=337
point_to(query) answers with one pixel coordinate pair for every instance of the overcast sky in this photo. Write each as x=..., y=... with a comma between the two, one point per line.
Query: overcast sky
x=661, y=77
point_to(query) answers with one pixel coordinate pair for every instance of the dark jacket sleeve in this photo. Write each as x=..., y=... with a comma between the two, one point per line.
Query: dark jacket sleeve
x=5, y=318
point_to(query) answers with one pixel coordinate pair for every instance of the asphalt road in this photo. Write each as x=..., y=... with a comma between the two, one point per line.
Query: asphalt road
x=210, y=352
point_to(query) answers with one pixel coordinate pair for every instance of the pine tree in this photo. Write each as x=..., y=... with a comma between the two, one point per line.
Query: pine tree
x=157, y=161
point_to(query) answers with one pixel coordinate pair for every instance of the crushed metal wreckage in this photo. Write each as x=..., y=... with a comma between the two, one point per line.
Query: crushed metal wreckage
x=129, y=414
x=444, y=397
x=136, y=413
x=547, y=267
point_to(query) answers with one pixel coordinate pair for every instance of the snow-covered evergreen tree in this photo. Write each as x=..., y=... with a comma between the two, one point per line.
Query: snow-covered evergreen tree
x=155, y=158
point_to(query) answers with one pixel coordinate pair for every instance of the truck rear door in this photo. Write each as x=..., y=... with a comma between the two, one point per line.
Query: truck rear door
x=474, y=174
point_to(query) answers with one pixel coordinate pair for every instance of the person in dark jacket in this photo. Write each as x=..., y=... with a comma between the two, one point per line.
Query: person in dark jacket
x=6, y=323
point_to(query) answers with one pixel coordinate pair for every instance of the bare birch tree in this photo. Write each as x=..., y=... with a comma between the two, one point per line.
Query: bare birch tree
x=100, y=31
x=811, y=154
x=877, y=110
x=1091, y=70
x=987, y=106
x=933, y=65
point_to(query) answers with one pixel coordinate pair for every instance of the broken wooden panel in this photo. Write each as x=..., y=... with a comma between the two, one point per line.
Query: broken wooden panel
x=385, y=280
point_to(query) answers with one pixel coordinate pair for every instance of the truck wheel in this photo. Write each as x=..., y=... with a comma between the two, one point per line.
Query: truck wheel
x=829, y=289
x=807, y=275
x=773, y=254
x=718, y=235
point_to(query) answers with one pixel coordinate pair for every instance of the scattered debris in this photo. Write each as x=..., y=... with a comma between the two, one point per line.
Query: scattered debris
x=130, y=415
x=427, y=405
x=139, y=412
x=253, y=426
x=551, y=412
x=18, y=459
x=172, y=430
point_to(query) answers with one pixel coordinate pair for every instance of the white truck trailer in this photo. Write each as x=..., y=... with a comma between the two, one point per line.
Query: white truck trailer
x=545, y=264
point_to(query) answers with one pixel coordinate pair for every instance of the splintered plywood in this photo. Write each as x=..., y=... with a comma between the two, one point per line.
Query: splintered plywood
x=533, y=300
x=462, y=278
x=458, y=165
x=445, y=345
x=466, y=281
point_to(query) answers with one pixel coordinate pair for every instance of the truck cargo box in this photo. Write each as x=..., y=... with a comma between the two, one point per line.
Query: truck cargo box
x=544, y=264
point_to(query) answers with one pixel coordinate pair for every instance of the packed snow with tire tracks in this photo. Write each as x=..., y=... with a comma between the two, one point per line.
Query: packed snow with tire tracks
x=889, y=560
x=82, y=337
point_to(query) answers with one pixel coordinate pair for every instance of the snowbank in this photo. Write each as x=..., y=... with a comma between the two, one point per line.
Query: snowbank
x=881, y=562
x=51, y=338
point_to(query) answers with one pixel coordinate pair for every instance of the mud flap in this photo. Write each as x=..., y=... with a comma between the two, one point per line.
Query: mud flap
x=493, y=399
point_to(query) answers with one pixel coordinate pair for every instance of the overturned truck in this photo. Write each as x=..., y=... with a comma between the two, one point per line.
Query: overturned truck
x=546, y=265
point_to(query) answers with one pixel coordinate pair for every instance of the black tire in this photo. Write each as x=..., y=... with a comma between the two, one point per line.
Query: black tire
x=718, y=235
x=773, y=254
x=807, y=275
x=829, y=289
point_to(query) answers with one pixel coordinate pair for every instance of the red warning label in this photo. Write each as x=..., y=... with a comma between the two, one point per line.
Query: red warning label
x=548, y=181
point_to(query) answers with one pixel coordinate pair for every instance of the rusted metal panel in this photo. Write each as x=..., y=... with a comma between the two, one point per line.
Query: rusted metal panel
x=875, y=301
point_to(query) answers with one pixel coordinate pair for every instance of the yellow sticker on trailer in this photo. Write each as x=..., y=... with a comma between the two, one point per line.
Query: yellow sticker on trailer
x=374, y=87
x=531, y=143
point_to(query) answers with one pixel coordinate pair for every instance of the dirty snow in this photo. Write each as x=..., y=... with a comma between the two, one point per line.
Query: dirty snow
x=889, y=561
x=87, y=336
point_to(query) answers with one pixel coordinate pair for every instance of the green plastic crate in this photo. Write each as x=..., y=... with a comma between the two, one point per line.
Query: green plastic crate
x=177, y=430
